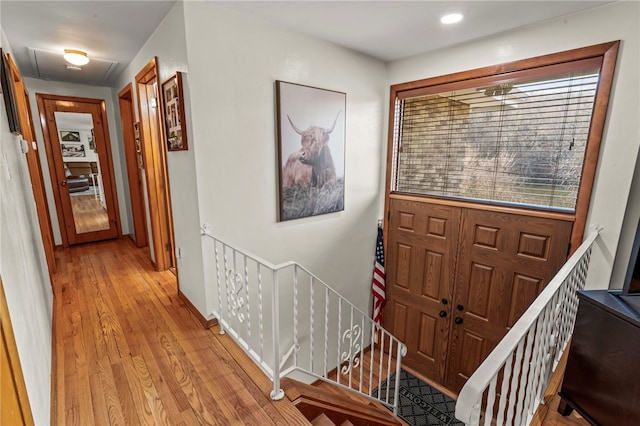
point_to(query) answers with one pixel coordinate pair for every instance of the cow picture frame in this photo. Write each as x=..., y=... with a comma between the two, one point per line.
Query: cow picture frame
x=311, y=133
x=174, y=117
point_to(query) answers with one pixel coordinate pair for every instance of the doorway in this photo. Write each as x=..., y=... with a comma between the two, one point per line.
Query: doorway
x=79, y=154
x=154, y=162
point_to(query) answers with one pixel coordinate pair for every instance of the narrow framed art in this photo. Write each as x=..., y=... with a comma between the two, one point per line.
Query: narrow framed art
x=311, y=126
x=175, y=127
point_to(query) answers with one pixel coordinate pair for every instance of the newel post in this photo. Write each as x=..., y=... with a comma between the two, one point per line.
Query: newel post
x=277, y=393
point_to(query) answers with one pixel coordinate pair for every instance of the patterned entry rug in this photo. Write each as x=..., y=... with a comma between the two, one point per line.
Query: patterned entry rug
x=420, y=404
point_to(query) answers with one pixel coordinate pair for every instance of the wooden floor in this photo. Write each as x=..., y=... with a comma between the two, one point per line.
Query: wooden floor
x=88, y=213
x=127, y=351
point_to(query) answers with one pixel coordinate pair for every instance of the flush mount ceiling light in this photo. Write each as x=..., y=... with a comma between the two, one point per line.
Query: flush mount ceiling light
x=75, y=57
x=451, y=18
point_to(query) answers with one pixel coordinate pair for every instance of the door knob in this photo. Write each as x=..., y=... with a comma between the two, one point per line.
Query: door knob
x=444, y=301
x=458, y=320
x=64, y=182
x=443, y=314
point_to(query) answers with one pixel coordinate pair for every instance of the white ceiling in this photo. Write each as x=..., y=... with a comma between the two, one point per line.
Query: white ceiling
x=114, y=31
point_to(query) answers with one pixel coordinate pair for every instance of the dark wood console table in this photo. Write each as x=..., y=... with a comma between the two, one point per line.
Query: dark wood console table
x=602, y=378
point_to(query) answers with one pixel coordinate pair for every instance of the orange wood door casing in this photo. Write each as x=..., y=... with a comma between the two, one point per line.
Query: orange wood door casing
x=458, y=278
x=420, y=268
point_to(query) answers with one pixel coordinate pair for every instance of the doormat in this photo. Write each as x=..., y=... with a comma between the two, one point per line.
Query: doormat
x=420, y=404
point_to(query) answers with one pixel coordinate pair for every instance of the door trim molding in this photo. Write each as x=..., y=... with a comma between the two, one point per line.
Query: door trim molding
x=41, y=99
x=138, y=213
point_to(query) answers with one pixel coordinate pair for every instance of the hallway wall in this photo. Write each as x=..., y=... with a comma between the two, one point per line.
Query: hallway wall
x=167, y=43
x=23, y=269
x=234, y=61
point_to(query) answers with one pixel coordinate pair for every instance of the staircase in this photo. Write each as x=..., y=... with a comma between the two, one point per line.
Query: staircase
x=288, y=321
x=324, y=404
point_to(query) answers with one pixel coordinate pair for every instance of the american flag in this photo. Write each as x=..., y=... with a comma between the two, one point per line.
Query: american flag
x=378, y=282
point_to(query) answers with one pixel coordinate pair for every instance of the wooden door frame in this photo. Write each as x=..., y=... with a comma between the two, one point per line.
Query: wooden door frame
x=136, y=192
x=35, y=168
x=607, y=51
x=9, y=344
x=156, y=171
x=108, y=160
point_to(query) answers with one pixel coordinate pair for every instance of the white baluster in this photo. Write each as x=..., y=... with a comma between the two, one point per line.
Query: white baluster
x=372, y=353
x=260, y=321
x=491, y=398
x=339, y=337
x=326, y=331
x=219, y=285
x=389, y=357
x=246, y=295
x=504, y=389
x=295, y=314
x=361, y=353
x=522, y=390
x=381, y=334
x=311, y=321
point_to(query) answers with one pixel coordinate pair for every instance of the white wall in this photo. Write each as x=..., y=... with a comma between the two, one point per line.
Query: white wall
x=234, y=61
x=168, y=44
x=24, y=270
x=621, y=138
x=80, y=90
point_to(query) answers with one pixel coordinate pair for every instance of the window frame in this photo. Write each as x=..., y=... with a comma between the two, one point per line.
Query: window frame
x=495, y=74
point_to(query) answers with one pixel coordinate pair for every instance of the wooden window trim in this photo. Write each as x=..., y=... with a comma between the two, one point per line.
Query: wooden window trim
x=605, y=52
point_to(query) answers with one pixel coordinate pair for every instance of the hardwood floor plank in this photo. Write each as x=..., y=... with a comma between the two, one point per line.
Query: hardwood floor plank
x=128, y=351
x=110, y=393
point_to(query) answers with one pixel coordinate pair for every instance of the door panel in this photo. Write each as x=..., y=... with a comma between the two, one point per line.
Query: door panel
x=420, y=268
x=504, y=261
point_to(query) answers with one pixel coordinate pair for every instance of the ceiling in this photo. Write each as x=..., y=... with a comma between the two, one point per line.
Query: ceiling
x=112, y=32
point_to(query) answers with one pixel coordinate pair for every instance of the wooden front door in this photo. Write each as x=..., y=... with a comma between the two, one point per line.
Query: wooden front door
x=459, y=277
x=420, y=267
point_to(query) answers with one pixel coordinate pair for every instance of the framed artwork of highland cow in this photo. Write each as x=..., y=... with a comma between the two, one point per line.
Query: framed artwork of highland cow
x=311, y=150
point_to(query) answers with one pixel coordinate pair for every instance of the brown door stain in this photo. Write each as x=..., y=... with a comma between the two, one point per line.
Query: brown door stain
x=458, y=278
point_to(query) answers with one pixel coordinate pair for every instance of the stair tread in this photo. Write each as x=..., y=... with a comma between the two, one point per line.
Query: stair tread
x=337, y=403
x=322, y=420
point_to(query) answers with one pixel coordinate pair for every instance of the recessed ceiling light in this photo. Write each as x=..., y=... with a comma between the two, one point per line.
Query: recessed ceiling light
x=451, y=18
x=75, y=57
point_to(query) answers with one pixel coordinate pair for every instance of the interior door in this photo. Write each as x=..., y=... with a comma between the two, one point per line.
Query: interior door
x=504, y=262
x=82, y=173
x=420, y=269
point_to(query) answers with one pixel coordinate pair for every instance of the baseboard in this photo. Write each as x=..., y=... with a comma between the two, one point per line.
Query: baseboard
x=206, y=323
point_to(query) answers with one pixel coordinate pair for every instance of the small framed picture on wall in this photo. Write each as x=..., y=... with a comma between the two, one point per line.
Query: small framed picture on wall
x=175, y=128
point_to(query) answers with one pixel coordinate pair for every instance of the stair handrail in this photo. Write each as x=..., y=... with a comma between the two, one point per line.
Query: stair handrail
x=236, y=305
x=530, y=351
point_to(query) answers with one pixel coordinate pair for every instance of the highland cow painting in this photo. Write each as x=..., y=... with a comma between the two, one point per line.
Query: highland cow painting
x=311, y=147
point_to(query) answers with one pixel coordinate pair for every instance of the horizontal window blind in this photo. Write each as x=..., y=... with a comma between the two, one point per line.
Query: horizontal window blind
x=518, y=141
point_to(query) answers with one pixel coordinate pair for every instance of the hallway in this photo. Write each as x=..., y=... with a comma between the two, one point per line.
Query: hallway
x=127, y=351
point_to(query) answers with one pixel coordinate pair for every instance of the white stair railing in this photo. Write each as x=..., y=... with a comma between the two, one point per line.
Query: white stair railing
x=288, y=321
x=527, y=356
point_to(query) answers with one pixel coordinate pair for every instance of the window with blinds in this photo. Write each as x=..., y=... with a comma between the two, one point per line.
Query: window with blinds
x=517, y=138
